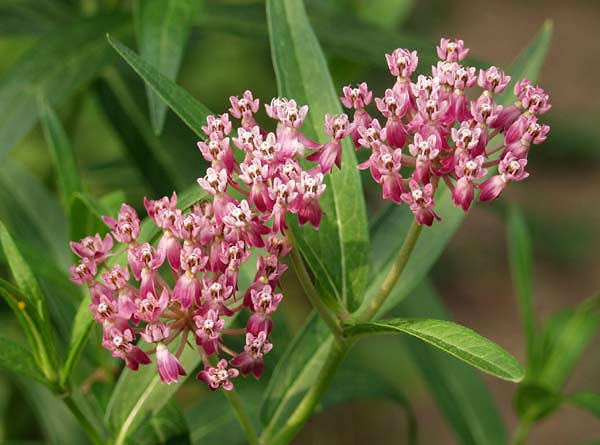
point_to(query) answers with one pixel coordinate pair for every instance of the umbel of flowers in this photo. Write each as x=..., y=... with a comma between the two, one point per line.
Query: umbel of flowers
x=436, y=131
x=187, y=287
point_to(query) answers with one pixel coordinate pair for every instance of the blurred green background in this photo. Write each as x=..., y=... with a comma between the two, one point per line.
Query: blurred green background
x=227, y=53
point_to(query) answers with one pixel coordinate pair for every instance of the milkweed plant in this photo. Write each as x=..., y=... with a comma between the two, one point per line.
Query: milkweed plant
x=189, y=285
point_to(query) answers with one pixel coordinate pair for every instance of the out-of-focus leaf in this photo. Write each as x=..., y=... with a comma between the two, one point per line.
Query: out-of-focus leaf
x=163, y=28
x=32, y=214
x=30, y=17
x=354, y=384
x=383, y=13
x=296, y=370
x=141, y=145
x=85, y=217
x=167, y=427
x=454, y=339
x=55, y=67
x=15, y=358
x=459, y=391
x=82, y=325
x=32, y=297
x=65, y=164
x=335, y=253
x=529, y=63
x=192, y=112
x=534, y=402
x=588, y=401
x=521, y=267
x=560, y=344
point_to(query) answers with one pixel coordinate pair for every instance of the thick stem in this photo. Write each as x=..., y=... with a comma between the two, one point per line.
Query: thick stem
x=242, y=415
x=313, y=296
x=92, y=432
x=367, y=311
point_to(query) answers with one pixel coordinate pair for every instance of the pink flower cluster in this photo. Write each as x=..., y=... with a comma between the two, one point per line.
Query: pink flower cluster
x=432, y=127
x=188, y=284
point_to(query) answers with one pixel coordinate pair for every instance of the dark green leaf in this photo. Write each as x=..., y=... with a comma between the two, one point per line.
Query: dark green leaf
x=521, y=267
x=63, y=157
x=192, y=112
x=143, y=148
x=82, y=325
x=335, y=253
x=534, y=402
x=167, y=427
x=163, y=28
x=55, y=67
x=30, y=17
x=456, y=340
x=460, y=392
x=85, y=217
x=15, y=358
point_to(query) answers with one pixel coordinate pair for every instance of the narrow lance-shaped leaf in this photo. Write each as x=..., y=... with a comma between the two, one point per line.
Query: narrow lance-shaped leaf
x=32, y=296
x=63, y=157
x=163, y=28
x=16, y=359
x=456, y=340
x=55, y=66
x=335, y=253
x=521, y=267
x=460, y=392
x=190, y=111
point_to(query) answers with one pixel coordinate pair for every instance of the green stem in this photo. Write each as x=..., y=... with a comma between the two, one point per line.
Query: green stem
x=369, y=310
x=90, y=429
x=242, y=415
x=313, y=296
x=338, y=350
x=521, y=432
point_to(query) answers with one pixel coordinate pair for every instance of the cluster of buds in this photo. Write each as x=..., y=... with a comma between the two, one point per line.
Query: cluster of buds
x=446, y=134
x=187, y=286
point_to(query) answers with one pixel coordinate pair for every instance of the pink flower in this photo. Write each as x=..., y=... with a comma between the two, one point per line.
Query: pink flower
x=126, y=228
x=150, y=309
x=358, y=97
x=168, y=366
x=93, y=247
x=402, y=62
x=493, y=80
x=208, y=332
x=219, y=376
x=244, y=108
x=372, y=136
x=117, y=278
x=118, y=338
x=452, y=50
x=510, y=169
x=218, y=152
x=144, y=262
x=421, y=203
x=220, y=126
x=310, y=189
x=467, y=171
x=251, y=360
x=84, y=272
x=425, y=150
x=385, y=169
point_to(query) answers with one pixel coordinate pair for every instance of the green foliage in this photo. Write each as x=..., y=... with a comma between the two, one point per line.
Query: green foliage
x=162, y=30
x=15, y=358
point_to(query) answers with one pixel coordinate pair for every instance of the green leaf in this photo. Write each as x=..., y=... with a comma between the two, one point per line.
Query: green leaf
x=167, y=427
x=335, y=252
x=529, y=63
x=534, y=402
x=15, y=358
x=354, y=384
x=383, y=13
x=456, y=340
x=80, y=331
x=81, y=50
x=521, y=267
x=296, y=370
x=30, y=17
x=85, y=217
x=191, y=112
x=561, y=343
x=63, y=157
x=163, y=28
x=588, y=401
x=460, y=392
x=153, y=161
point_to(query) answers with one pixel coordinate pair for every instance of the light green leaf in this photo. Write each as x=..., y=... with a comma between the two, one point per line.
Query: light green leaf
x=588, y=401
x=163, y=28
x=82, y=326
x=460, y=392
x=456, y=340
x=191, y=112
x=85, y=217
x=521, y=267
x=529, y=63
x=383, y=13
x=55, y=67
x=63, y=157
x=335, y=252
x=15, y=358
